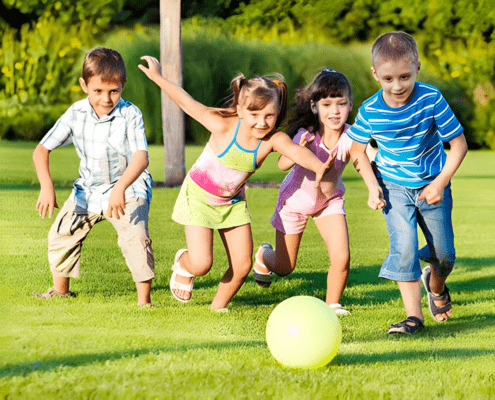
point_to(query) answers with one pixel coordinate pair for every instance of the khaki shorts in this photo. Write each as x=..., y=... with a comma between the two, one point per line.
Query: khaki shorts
x=69, y=231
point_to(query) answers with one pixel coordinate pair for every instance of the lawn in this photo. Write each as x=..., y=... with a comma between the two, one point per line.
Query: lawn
x=100, y=345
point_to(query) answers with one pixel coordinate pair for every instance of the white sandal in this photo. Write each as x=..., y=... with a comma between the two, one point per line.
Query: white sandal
x=177, y=270
x=339, y=310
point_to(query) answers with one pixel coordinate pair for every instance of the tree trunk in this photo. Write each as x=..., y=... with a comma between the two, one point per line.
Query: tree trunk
x=172, y=116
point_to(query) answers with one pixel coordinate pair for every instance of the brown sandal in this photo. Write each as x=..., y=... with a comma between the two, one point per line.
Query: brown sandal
x=53, y=293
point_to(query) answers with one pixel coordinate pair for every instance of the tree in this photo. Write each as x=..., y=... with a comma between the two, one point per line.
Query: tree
x=172, y=115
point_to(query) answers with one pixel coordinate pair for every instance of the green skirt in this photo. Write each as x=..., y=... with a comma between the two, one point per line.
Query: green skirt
x=192, y=208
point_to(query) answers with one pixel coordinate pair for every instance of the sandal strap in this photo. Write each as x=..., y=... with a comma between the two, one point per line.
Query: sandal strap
x=408, y=325
x=181, y=286
x=445, y=296
x=260, y=277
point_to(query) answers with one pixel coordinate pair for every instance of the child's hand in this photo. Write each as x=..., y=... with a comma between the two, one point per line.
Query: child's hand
x=303, y=141
x=376, y=201
x=325, y=167
x=47, y=201
x=154, y=69
x=116, y=203
x=433, y=193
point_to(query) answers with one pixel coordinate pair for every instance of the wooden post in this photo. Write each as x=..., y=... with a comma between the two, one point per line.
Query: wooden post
x=172, y=116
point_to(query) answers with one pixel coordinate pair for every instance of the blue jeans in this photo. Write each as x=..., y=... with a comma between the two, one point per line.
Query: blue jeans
x=403, y=214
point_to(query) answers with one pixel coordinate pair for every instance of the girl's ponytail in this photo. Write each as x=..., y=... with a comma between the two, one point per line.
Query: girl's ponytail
x=236, y=85
x=283, y=100
x=232, y=101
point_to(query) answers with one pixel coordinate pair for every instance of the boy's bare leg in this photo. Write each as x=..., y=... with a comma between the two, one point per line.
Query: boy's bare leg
x=411, y=296
x=61, y=284
x=144, y=292
x=198, y=258
x=437, y=286
x=238, y=242
x=333, y=229
x=282, y=260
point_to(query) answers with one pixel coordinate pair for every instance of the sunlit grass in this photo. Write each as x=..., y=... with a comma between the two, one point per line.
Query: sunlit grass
x=101, y=345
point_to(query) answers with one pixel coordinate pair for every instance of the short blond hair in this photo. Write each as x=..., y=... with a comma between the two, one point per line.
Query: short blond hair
x=394, y=46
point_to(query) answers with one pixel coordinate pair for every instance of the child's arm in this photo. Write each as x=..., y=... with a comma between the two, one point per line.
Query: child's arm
x=285, y=163
x=363, y=166
x=47, y=199
x=138, y=164
x=201, y=113
x=301, y=155
x=433, y=193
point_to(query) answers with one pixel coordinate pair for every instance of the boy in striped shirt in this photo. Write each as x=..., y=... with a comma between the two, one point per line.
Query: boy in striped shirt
x=410, y=121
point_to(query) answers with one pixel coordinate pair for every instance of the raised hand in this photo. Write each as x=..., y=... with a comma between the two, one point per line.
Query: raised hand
x=154, y=69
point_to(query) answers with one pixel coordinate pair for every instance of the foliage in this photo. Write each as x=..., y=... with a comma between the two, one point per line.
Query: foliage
x=209, y=8
x=100, y=345
x=210, y=62
x=40, y=62
x=97, y=13
x=456, y=37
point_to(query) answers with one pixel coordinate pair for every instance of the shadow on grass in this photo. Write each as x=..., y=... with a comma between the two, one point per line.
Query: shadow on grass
x=78, y=360
x=308, y=283
x=474, y=264
x=426, y=355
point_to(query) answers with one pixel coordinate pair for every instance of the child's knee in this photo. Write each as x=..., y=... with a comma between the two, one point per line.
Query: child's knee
x=286, y=270
x=340, y=264
x=200, y=266
x=443, y=267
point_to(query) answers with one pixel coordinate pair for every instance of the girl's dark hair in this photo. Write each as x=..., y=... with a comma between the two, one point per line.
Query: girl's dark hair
x=257, y=93
x=327, y=83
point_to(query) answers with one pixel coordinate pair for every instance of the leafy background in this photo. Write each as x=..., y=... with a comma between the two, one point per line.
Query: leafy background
x=43, y=43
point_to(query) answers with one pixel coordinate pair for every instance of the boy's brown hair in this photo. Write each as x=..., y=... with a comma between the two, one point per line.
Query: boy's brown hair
x=106, y=63
x=394, y=46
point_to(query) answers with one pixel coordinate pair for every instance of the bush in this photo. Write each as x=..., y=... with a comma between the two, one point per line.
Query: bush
x=211, y=62
x=28, y=122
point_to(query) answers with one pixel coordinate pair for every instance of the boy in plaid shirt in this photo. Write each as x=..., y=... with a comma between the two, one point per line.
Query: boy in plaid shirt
x=114, y=184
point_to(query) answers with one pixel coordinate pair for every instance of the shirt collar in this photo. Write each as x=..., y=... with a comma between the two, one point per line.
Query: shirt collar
x=116, y=112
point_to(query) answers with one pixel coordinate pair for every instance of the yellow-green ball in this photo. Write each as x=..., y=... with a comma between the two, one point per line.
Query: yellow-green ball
x=303, y=332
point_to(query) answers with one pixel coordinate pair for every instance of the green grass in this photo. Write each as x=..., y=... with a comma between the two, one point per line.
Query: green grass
x=100, y=345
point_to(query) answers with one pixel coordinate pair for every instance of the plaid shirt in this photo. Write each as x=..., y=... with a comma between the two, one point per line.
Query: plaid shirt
x=105, y=146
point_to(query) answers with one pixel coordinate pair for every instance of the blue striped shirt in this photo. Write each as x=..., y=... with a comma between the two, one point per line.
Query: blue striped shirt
x=105, y=147
x=409, y=138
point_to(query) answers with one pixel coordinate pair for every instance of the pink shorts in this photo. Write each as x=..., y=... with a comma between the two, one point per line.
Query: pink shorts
x=291, y=222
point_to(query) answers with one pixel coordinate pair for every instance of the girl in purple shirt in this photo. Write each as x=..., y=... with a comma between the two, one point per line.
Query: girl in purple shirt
x=319, y=124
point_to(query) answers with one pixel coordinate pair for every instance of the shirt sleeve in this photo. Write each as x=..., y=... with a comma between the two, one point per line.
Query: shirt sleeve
x=135, y=132
x=360, y=131
x=447, y=124
x=61, y=133
x=299, y=133
x=345, y=145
